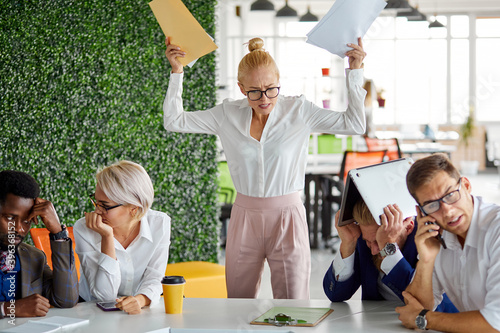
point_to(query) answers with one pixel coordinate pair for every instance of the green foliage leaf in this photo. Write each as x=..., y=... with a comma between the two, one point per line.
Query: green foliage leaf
x=82, y=85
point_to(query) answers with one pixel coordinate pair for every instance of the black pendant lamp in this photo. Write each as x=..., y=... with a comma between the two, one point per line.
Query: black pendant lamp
x=262, y=5
x=398, y=5
x=308, y=17
x=286, y=11
x=436, y=24
x=413, y=15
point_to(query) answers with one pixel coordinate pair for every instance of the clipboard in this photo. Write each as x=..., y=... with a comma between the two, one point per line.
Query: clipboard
x=301, y=317
x=378, y=185
x=177, y=22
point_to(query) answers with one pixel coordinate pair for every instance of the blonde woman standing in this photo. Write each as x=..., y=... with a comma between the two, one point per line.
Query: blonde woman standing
x=265, y=138
x=123, y=244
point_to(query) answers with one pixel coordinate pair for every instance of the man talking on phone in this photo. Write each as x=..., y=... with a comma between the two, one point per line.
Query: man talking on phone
x=468, y=270
x=28, y=286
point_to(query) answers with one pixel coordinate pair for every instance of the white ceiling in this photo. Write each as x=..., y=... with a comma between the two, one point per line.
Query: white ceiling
x=320, y=7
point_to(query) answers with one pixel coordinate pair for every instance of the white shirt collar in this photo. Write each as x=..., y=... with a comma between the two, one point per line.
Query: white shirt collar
x=145, y=230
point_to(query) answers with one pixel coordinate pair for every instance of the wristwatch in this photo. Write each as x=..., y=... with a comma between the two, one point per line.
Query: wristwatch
x=389, y=249
x=421, y=321
x=61, y=235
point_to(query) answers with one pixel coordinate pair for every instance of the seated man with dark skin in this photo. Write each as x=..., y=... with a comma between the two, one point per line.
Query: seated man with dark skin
x=28, y=287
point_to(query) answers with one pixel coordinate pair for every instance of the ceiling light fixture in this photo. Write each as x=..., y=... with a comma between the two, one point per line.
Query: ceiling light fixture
x=436, y=24
x=413, y=15
x=399, y=5
x=262, y=5
x=286, y=11
x=308, y=17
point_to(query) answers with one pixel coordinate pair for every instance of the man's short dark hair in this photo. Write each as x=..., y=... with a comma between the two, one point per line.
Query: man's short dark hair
x=423, y=171
x=18, y=183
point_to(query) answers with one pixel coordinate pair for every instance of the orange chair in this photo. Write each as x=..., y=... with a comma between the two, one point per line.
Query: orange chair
x=41, y=240
x=391, y=145
x=358, y=159
x=333, y=187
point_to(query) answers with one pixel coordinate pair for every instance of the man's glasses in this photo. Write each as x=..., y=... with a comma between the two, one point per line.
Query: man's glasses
x=450, y=198
x=96, y=204
x=255, y=95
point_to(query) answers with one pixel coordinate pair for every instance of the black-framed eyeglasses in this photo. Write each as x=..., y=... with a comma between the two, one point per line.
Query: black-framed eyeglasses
x=96, y=204
x=255, y=95
x=450, y=198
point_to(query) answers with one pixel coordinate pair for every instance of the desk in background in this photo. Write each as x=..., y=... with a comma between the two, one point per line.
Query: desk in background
x=217, y=314
x=315, y=172
x=426, y=148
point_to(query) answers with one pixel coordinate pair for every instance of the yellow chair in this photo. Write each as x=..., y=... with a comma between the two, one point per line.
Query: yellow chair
x=41, y=241
x=203, y=279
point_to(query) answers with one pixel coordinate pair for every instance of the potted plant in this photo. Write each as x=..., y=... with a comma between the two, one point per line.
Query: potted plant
x=380, y=97
x=468, y=166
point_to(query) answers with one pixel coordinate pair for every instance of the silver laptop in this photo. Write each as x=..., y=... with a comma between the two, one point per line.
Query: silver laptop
x=378, y=185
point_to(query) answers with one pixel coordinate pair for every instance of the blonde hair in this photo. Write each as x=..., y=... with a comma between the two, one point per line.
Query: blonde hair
x=257, y=57
x=362, y=214
x=127, y=183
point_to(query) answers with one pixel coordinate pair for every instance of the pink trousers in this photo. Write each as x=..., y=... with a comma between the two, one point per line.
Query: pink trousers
x=268, y=228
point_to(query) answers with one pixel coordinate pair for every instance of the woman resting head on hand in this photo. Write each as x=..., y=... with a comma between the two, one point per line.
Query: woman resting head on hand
x=123, y=244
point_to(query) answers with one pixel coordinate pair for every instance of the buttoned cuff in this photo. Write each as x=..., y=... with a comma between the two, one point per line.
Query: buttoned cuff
x=390, y=261
x=176, y=77
x=355, y=76
x=343, y=268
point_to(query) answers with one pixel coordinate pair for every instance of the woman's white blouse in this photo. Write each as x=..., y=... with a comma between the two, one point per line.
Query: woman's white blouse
x=276, y=164
x=138, y=269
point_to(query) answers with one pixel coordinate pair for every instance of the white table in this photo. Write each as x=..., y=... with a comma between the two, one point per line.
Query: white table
x=235, y=314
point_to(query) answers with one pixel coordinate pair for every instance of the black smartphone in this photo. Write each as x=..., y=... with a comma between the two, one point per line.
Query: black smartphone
x=107, y=306
x=439, y=237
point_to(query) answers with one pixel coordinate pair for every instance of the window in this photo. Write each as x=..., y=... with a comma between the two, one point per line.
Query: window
x=425, y=73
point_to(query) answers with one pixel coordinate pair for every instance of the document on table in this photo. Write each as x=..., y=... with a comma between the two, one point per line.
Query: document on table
x=209, y=330
x=49, y=324
x=344, y=23
x=183, y=29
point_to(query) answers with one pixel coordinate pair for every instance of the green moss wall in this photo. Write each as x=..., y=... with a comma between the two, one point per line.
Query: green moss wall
x=82, y=85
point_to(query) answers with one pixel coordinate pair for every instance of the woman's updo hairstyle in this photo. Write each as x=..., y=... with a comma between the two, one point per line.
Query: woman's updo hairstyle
x=258, y=57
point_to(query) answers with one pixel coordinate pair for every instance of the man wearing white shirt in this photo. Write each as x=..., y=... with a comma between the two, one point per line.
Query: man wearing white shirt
x=468, y=270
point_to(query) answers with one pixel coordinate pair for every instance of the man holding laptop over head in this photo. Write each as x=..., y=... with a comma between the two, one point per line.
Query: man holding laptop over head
x=371, y=256
x=380, y=256
x=468, y=270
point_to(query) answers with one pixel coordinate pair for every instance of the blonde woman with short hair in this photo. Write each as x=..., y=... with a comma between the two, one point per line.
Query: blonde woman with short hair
x=123, y=244
x=265, y=137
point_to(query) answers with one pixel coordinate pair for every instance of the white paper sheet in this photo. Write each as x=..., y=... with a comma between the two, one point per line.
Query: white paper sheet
x=48, y=325
x=344, y=23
